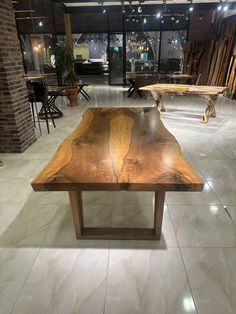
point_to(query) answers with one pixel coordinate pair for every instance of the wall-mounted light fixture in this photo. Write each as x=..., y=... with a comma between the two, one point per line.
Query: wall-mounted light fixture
x=131, y=7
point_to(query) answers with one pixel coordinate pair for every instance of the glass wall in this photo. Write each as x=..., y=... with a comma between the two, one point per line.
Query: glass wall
x=171, y=57
x=142, y=51
x=145, y=51
x=116, y=59
x=38, y=52
x=90, y=53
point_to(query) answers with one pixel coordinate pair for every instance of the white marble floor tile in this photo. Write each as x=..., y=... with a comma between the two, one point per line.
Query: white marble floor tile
x=18, y=168
x=232, y=212
x=216, y=169
x=14, y=190
x=8, y=213
x=15, y=264
x=147, y=281
x=65, y=281
x=203, y=226
x=212, y=277
x=30, y=226
x=206, y=197
x=142, y=216
x=224, y=141
x=62, y=234
x=225, y=190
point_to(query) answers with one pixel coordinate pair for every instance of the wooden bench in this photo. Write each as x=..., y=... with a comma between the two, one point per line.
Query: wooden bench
x=211, y=94
x=116, y=149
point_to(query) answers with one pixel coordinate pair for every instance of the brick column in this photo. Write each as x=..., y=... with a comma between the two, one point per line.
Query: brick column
x=16, y=126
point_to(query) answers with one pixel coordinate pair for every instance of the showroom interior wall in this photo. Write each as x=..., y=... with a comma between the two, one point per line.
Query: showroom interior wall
x=16, y=125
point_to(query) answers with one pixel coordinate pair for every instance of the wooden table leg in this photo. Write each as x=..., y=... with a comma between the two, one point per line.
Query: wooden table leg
x=158, y=97
x=116, y=233
x=77, y=212
x=210, y=108
x=158, y=213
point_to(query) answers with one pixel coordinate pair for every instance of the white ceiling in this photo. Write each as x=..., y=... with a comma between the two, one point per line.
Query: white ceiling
x=95, y=3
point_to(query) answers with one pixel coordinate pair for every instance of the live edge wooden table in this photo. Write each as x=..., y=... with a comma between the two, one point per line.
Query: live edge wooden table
x=211, y=94
x=116, y=149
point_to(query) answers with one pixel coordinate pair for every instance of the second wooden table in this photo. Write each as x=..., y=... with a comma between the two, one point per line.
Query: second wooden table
x=211, y=94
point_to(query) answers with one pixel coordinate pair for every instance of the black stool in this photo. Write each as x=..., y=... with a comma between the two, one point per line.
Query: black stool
x=40, y=94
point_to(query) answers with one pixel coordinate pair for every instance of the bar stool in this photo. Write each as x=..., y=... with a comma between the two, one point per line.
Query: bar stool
x=40, y=94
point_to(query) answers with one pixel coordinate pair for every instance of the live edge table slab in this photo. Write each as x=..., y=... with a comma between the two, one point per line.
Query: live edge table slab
x=211, y=94
x=116, y=149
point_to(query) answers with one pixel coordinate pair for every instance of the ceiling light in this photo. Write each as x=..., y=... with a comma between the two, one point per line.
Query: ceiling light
x=164, y=6
x=225, y=8
x=103, y=9
x=123, y=8
x=40, y=23
x=144, y=21
x=191, y=9
x=177, y=21
x=172, y=18
x=140, y=10
x=131, y=7
x=162, y=21
x=158, y=15
x=219, y=8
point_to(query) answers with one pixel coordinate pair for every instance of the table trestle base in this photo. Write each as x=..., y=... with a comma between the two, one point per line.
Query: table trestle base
x=82, y=232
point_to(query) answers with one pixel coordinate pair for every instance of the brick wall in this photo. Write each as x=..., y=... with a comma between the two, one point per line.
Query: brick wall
x=16, y=127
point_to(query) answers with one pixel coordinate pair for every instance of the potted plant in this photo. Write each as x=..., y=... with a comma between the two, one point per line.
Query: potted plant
x=65, y=65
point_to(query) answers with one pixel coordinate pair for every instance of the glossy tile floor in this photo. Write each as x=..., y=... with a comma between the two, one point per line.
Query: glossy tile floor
x=44, y=269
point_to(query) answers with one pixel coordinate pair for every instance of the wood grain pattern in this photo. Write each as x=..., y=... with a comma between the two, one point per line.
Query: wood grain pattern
x=211, y=94
x=119, y=149
x=186, y=89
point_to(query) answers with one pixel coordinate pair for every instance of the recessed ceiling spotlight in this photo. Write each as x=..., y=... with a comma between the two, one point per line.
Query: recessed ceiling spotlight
x=164, y=6
x=162, y=21
x=144, y=21
x=190, y=9
x=131, y=7
x=104, y=10
x=200, y=16
x=172, y=18
x=123, y=8
x=40, y=23
x=177, y=21
x=219, y=8
x=158, y=15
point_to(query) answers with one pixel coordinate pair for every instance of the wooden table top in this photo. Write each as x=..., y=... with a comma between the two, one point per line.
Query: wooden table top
x=179, y=76
x=186, y=89
x=133, y=75
x=38, y=76
x=119, y=149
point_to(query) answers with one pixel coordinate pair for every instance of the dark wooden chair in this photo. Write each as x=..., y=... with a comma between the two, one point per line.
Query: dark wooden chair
x=39, y=94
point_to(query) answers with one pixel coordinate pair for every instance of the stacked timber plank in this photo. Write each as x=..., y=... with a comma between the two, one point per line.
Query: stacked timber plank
x=231, y=78
x=214, y=60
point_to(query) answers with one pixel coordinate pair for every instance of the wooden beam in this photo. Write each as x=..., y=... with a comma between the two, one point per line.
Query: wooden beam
x=31, y=18
x=69, y=40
